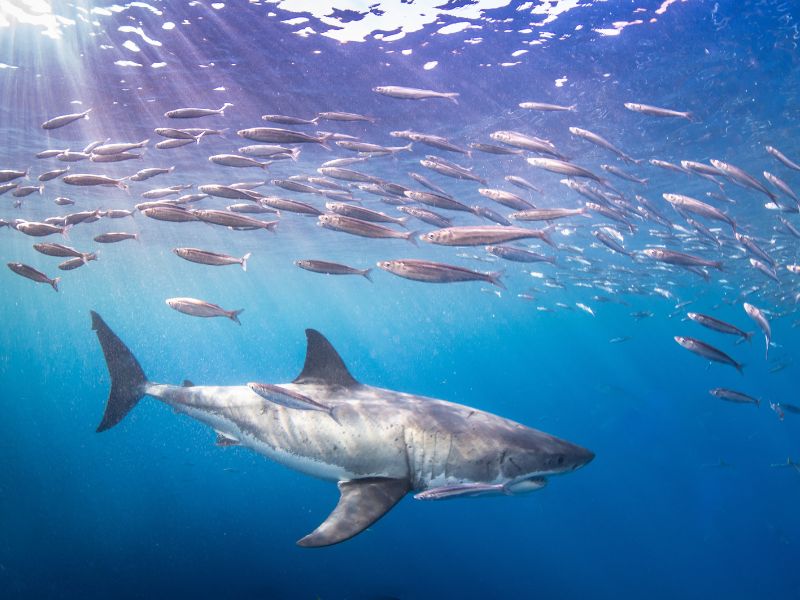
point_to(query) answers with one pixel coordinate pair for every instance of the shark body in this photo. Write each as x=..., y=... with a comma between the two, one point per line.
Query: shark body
x=377, y=444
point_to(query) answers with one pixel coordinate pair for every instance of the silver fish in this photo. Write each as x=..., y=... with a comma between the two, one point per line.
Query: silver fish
x=200, y=308
x=32, y=274
x=214, y=259
x=407, y=93
x=434, y=272
x=707, y=351
x=733, y=396
x=332, y=268
x=193, y=113
x=655, y=111
x=63, y=120
x=760, y=319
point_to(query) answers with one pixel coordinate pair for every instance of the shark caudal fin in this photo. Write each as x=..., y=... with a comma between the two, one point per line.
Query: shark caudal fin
x=127, y=377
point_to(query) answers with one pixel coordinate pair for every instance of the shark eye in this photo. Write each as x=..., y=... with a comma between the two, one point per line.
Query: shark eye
x=560, y=460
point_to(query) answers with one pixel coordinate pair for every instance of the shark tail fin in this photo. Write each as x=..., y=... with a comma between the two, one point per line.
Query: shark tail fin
x=127, y=377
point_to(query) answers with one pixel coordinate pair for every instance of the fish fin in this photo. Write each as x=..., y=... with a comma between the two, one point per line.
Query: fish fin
x=187, y=383
x=361, y=503
x=367, y=274
x=54, y=283
x=494, y=279
x=739, y=367
x=127, y=377
x=234, y=316
x=412, y=237
x=464, y=490
x=221, y=111
x=323, y=364
x=453, y=97
x=245, y=258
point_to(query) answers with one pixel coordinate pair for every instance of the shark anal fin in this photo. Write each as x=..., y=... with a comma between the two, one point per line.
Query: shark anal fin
x=361, y=503
x=323, y=364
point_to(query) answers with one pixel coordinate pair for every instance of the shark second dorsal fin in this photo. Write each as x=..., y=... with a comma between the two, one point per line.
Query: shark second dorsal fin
x=361, y=503
x=323, y=364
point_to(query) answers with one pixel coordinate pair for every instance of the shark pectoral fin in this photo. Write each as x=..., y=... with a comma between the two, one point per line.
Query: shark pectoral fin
x=361, y=503
x=464, y=490
x=223, y=441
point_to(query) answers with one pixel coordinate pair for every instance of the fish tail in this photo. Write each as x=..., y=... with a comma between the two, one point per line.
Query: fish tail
x=86, y=113
x=65, y=231
x=717, y=265
x=367, y=274
x=494, y=279
x=408, y=146
x=402, y=221
x=265, y=164
x=411, y=236
x=221, y=111
x=739, y=367
x=198, y=136
x=453, y=97
x=234, y=316
x=41, y=189
x=544, y=235
x=127, y=377
x=54, y=283
x=295, y=154
x=244, y=261
x=748, y=335
x=270, y=226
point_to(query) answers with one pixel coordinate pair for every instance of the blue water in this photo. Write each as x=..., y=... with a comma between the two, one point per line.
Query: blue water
x=683, y=498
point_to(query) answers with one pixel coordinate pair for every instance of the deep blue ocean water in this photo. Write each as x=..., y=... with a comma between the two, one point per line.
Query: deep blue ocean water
x=684, y=498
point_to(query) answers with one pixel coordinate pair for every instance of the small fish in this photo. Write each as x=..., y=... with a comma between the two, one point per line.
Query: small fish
x=33, y=274
x=435, y=272
x=407, y=93
x=234, y=160
x=602, y=142
x=90, y=180
x=505, y=198
x=619, y=340
x=49, y=175
x=760, y=319
x=707, y=351
x=482, y=235
x=564, y=168
x=36, y=229
x=718, y=325
x=273, y=135
x=331, y=268
x=200, y=308
x=59, y=250
x=734, y=396
x=193, y=113
x=119, y=148
x=526, y=142
x=519, y=255
x=546, y=214
x=362, y=228
x=655, y=111
x=426, y=216
x=343, y=116
x=287, y=120
x=74, y=263
x=521, y=182
x=289, y=398
x=782, y=158
x=365, y=214
x=544, y=106
x=63, y=201
x=226, y=218
x=145, y=174
x=63, y=120
x=680, y=259
x=114, y=237
x=205, y=257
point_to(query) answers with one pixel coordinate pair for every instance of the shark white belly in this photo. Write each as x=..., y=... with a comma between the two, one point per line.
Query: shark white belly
x=377, y=444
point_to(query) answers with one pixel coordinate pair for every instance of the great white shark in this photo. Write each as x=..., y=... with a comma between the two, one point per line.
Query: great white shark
x=377, y=444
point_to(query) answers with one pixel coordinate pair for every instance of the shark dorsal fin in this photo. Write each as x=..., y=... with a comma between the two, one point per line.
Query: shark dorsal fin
x=323, y=364
x=187, y=383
